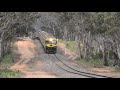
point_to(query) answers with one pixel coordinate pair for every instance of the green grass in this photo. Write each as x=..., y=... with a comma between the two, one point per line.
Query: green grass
x=71, y=45
x=7, y=61
x=117, y=70
x=92, y=63
x=5, y=73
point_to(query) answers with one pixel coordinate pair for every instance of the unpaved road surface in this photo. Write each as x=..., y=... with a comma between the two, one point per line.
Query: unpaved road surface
x=27, y=50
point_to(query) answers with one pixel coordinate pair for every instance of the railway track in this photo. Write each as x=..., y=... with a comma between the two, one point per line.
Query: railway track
x=75, y=71
x=69, y=69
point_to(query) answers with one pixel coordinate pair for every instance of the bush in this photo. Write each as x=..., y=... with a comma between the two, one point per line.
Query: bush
x=97, y=55
x=6, y=62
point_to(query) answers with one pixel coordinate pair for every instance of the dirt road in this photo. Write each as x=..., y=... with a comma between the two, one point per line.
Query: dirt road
x=27, y=50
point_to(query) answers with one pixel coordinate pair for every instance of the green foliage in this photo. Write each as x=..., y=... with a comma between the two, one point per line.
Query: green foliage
x=117, y=70
x=97, y=55
x=70, y=45
x=6, y=62
x=5, y=73
x=93, y=63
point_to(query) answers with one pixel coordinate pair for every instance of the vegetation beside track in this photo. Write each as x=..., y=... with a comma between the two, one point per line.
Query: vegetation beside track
x=6, y=62
x=93, y=63
x=70, y=45
x=6, y=73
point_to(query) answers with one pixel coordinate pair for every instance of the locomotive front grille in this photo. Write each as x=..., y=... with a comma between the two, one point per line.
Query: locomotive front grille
x=50, y=48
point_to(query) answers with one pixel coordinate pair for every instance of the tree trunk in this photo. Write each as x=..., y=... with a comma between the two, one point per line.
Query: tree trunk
x=116, y=59
x=0, y=49
x=79, y=47
x=118, y=51
x=105, y=59
x=105, y=55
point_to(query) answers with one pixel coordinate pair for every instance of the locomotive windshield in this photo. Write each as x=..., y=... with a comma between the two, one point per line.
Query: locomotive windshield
x=51, y=42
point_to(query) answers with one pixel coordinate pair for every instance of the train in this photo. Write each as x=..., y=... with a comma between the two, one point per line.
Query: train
x=48, y=41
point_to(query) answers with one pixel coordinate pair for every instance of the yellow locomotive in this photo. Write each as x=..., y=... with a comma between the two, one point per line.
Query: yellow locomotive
x=50, y=45
x=48, y=41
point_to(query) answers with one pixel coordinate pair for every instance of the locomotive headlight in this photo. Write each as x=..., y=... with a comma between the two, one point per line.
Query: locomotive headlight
x=51, y=39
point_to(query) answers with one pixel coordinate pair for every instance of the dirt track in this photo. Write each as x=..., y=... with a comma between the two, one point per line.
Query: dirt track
x=27, y=50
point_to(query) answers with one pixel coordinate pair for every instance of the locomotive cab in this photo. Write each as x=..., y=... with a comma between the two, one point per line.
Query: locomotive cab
x=51, y=45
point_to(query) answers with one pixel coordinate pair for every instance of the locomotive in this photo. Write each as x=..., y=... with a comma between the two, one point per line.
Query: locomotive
x=48, y=41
